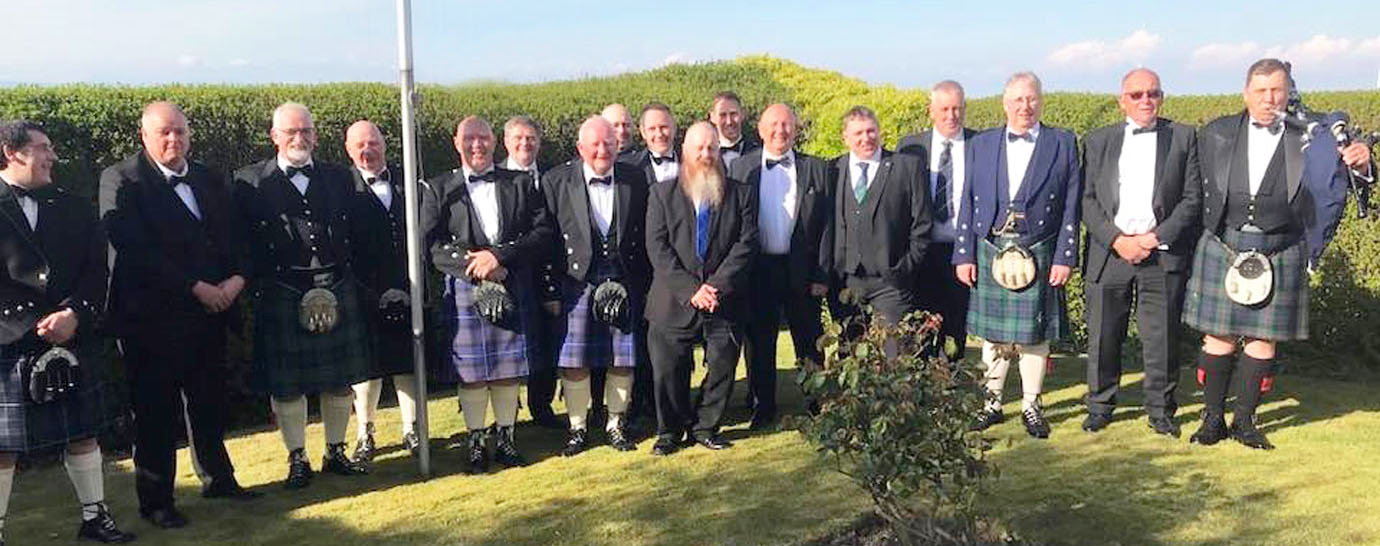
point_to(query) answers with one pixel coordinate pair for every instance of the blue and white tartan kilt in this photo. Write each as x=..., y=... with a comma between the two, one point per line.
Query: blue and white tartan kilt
x=26, y=426
x=1034, y=314
x=587, y=343
x=478, y=350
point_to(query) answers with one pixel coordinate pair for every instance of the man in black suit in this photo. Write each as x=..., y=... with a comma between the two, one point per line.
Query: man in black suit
x=882, y=219
x=1141, y=202
x=790, y=275
x=658, y=129
x=945, y=150
x=617, y=115
x=726, y=113
x=380, y=262
x=178, y=270
x=701, y=236
x=600, y=209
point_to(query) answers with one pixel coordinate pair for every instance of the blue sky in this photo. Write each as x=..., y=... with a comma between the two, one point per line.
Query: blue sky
x=1198, y=47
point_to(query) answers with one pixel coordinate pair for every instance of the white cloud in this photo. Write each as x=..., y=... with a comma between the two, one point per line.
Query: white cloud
x=1222, y=55
x=1137, y=46
x=1320, y=50
x=188, y=60
x=675, y=58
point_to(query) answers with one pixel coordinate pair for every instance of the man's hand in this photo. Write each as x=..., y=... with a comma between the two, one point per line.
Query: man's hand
x=705, y=299
x=211, y=297
x=232, y=287
x=1357, y=157
x=1129, y=247
x=58, y=327
x=966, y=273
x=1059, y=274
x=1148, y=241
x=480, y=264
x=818, y=290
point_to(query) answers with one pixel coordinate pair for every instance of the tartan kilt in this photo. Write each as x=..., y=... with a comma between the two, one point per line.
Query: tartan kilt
x=289, y=361
x=1034, y=314
x=478, y=351
x=587, y=343
x=26, y=426
x=1282, y=316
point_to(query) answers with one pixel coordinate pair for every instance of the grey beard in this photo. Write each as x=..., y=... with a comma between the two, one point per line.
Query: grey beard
x=297, y=156
x=703, y=185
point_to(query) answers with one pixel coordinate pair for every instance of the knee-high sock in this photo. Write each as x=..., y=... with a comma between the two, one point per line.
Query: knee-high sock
x=995, y=377
x=1032, y=364
x=1216, y=372
x=406, y=386
x=1250, y=372
x=576, y=401
x=85, y=472
x=617, y=391
x=292, y=421
x=6, y=483
x=335, y=415
x=366, y=404
x=505, y=402
x=474, y=404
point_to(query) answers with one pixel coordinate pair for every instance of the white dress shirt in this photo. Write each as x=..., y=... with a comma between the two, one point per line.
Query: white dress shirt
x=729, y=155
x=853, y=172
x=1018, y=154
x=28, y=205
x=1135, y=213
x=381, y=188
x=299, y=180
x=512, y=165
x=484, y=199
x=601, y=199
x=667, y=170
x=183, y=189
x=946, y=231
x=1260, y=147
x=777, y=198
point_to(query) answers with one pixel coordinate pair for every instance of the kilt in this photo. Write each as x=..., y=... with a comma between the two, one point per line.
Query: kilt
x=1282, y=316
x=478, y=350
x=289, y=361
x=26, y=426
x=585, y=342
x=1034, y=314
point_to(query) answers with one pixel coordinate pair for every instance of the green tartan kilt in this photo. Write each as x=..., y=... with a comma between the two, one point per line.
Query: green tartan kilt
x=289, y=361
x=1034, y=314
x=1283, y=316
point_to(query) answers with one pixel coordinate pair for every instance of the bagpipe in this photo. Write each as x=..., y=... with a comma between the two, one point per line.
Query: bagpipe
x=1339, y=125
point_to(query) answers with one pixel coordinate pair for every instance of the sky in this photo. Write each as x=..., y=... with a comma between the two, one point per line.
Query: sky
x=1202, y=46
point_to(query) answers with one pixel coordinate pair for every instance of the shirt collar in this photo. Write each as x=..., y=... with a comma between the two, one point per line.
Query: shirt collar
x=767, y=155
x=1131, y=124
x=726, y=144
x=937, y=139
x=1034, y=131
x=283, y=164
x=854, y=160
x=367, y=175
x=468, y=173
x=512, y=165
x=169, y=173
x=590, y=174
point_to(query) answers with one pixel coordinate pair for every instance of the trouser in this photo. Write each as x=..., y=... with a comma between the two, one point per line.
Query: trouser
x=770, y=298
x=1158, y=295
x=942, y=293
x=672, y=353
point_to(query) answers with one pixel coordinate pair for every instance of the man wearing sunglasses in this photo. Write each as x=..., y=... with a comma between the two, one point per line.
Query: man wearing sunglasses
x=1141, y=202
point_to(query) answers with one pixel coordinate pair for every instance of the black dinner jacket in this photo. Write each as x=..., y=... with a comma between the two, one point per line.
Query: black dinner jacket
x=677, y=271
x=451, y=228
x=811, y=237
x=160, y=249
x=1177, y=200
x=380, y=236
x=898, y=206
x=61, y=263
x=263, y=196
x=567, y=202
x=642, y=159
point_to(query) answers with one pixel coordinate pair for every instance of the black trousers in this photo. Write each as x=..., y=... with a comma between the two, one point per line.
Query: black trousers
x=771, y=297
x=672, y=352
x=541, y=355
x=1159, y=299
x=938, y=291
x=889, y=302
x=163, y=370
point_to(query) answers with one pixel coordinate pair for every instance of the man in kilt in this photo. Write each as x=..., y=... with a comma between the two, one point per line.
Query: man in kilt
x=1022, y=202
x=601, y=274
x=380, y=263
x=1269, y=199
x=487, y=231
x=52, y=292
x=310, y=329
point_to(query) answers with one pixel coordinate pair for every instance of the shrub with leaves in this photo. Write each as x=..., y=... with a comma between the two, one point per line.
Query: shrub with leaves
x=898, y=425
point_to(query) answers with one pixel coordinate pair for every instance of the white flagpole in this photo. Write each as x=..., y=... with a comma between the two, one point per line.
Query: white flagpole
x=415, y=274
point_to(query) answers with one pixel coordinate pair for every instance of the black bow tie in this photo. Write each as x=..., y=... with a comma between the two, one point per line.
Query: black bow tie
x=382, y=176
x=734, y=148
x=485, y=177
x=21, y=192
x=658, y=160
x=174, y=180
x=1012, y=137
x=305, y=170
x=605, y=180
x=784, y=162
x=1273, y=128
x=1143, y=130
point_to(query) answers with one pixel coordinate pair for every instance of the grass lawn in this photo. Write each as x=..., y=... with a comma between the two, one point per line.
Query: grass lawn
x=1123, y=486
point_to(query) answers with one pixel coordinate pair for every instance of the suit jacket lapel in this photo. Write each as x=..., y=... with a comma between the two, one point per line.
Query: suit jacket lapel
x=802, y=188
x=623, y=209
x=1293, y=158
x=1040, y=161
x=579, y=197
x=505, y=197
x=1163, y=138
x=1003, y=183
x=878, y=184
x=9, y=202
x=1229, y=145
x=1112, y=187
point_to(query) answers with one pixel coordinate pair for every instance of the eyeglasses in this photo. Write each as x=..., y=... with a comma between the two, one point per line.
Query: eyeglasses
x=1153, y=94
x=294, y=131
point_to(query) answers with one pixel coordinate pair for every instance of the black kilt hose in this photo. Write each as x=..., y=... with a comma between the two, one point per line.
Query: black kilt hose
x=587, y=343
x=1283, y=316
x=476, y=350
x=290, y=361
x=26, y=426
x=1034, y=314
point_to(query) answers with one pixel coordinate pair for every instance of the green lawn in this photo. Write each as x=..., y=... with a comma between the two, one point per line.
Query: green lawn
x=1123, y=486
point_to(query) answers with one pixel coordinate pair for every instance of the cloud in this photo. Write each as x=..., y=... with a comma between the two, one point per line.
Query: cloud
x=1137, y=46
x=188, y=60
x=1219, y=55
x=1317, y=50
x=675, y=58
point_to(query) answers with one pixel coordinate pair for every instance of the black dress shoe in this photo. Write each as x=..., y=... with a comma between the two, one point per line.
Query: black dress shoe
x=365, y=447
x=164, y=518
x=299, y=470
x=987, y=418
x=1213, y=430
x=505, y=449
x=762, y=421
x=1095, y=422
x=102, y=529
x=665, y=446
x=713, y=441
x=576, y=443
x=411, y=443
x=477, y=459
x=1035, y=424
x=224, y=489
x=618, y=439
x=1243, y=430
x=336, y=462
x=1165, y=426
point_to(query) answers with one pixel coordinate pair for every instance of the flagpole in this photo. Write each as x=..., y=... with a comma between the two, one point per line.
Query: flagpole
x=416, y=276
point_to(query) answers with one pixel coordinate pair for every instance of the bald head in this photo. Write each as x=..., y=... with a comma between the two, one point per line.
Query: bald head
x=364, y=144
x=701, y=146
x=293, y=133
x=474, y=139
x=622, y=122
x=1141, y=96
x=597, y=146
x=164, y=133
x=778, y=127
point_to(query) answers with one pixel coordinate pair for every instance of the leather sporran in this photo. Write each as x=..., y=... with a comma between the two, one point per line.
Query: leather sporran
x=1013, y=267
x=395, y=308
x=318, y=311
x=1250, y=279
x=611, y=304
x=493, y=302
x=50, y=375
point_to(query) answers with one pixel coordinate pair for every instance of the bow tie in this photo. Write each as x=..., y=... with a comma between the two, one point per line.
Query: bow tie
x=485, y=177
x=1273, y=128
x=734, y=148
x=1143, y=130
x=605, y=180
x=662, y=159
x=22, y=192
x=305, y=170
x=174, y=180
x=1012, y=137
x=383, y=177
x=784, y=162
